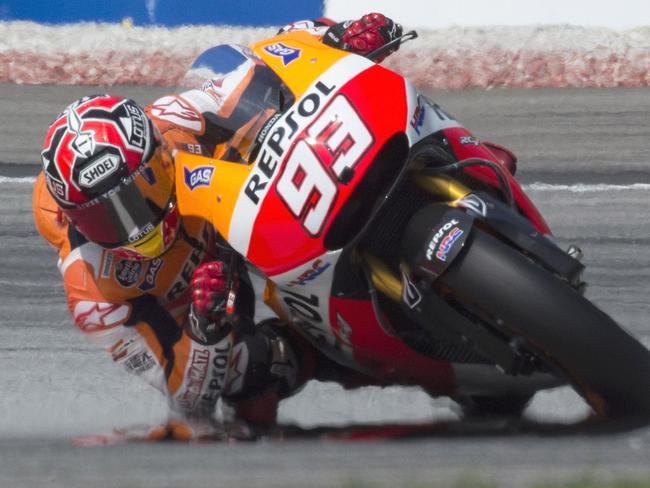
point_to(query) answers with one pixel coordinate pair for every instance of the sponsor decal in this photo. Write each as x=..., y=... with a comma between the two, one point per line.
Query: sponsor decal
x=191, y=262
x=55, y=186
x=433, y=244
x=149, y=281
x=140, y=362
x=218, y=370
x=98, y=170
x=237, y=368
x=306, y=318
x=265, y=130
x=195, y=376
x=281, y=143
x=199, y=176
x=418, y=116
x=171, y=108
x=120, y=350
x=177, y=111
x=135, y=126
x=410, y=293
x=108, y=262
x=196, y=328
x=194, y=148
x=392, y=33
x=311, y=274
x=284, y=369
x=214, y=88
x=230, y=302
x=92, y=316
x=127, y=273
x=298, y=26
x=281, y=50
x=344, y=330
x=280, y=139
x=469, y=140
x=139, y=234
x=447, y=243
x=335, y=39
x=474, y=203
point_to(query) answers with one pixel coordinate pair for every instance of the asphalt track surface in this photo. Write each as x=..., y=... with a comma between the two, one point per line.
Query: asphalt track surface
x=584, y=158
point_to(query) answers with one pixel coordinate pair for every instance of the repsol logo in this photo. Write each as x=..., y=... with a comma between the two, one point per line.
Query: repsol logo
x=433, y=244
x=280, y=138
x=218, y=370
x=99, y=170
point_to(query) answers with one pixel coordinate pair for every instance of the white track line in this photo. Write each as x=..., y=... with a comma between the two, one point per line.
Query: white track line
x=9, y=179
x=537, y=187
x=585, y=188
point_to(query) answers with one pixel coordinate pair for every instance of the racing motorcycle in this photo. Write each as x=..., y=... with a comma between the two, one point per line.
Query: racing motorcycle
x=394, y=240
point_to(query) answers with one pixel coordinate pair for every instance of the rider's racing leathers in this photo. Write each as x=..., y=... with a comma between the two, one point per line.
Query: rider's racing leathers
x=138, y=310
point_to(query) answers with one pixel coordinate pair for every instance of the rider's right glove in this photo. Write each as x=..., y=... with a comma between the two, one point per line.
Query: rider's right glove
x=364, y=35
x=208, y=316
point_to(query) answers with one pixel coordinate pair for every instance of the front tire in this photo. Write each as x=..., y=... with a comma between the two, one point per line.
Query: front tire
x=610, y=368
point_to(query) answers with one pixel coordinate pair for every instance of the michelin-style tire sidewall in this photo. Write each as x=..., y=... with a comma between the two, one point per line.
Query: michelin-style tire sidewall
x=609, y=367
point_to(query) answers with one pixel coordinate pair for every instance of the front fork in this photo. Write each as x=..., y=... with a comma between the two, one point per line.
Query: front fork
x=382, y=277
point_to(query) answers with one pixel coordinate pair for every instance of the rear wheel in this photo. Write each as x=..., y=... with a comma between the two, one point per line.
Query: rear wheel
x=607, y=366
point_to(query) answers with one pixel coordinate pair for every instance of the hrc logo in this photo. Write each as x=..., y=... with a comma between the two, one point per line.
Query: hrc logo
x=288, y=54
x=447, y=243
x=200, y=176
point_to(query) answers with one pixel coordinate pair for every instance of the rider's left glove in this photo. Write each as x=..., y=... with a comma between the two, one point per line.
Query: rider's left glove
x=365, y=35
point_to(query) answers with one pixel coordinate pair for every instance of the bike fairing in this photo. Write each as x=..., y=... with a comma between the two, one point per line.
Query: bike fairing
x=300, y=179
x=135, y=310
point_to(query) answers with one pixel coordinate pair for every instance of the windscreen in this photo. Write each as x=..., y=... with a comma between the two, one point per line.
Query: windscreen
x=248, y=93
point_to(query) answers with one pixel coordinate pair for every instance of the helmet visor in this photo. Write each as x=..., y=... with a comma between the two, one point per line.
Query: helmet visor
x=130, y=211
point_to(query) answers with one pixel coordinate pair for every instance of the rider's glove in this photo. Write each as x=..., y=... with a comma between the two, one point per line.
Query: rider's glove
x=364, y=35
x=211, y=296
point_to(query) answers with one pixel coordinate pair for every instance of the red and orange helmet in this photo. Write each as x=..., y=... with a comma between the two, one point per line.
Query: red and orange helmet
x=105, y=166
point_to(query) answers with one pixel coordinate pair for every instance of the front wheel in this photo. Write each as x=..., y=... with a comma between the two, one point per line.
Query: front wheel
x=610, y=368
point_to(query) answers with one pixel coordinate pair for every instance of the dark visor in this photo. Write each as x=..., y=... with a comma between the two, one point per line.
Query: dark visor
x=128, y=212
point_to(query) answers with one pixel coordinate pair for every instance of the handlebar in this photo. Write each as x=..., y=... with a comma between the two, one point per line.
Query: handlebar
x=388, y=47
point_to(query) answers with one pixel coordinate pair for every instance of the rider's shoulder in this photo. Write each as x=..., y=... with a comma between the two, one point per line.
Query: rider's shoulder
x=182, y=111
x=48, y=219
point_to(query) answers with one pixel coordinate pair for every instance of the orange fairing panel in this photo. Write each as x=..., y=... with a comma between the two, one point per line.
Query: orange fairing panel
x=298, y=58
x=208, y=188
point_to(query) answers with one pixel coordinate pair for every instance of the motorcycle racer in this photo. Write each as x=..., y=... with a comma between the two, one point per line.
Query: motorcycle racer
x=157, y=291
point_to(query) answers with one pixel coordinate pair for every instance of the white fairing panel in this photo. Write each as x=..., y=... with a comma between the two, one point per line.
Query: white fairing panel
x=423, y=117
x=305, y=293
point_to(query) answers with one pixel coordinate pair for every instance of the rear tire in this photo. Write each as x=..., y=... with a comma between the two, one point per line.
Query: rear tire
x=610, y=368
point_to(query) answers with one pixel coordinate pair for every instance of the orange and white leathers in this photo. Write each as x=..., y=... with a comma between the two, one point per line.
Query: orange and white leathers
x=136, y=310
